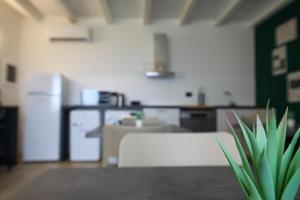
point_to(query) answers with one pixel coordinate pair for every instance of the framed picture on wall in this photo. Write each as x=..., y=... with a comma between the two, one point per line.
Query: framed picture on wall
x=8, y=73
x=11, y=73
x=287, y=31
x=279, y=61
x=293, y=87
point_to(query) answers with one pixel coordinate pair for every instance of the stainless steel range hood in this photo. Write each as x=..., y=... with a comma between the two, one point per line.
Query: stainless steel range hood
x=161, y=58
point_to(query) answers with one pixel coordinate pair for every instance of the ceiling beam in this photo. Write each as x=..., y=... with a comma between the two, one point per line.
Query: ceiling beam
x=25, y=8
x=187, y=11
x=106, y=11
x=65, y=11
x=270, y=11
x=226, y=13
x=54, y=8
x=147, y=10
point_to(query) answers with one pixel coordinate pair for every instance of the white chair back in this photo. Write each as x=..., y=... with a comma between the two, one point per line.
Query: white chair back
x=167, y=149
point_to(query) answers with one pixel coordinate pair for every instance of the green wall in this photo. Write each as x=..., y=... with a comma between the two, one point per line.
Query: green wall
x=274, y=87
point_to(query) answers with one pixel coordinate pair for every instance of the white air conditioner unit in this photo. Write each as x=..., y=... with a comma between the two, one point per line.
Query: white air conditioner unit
x=69, y=34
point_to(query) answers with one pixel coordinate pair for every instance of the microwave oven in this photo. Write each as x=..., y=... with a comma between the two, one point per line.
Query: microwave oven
x=101, y=98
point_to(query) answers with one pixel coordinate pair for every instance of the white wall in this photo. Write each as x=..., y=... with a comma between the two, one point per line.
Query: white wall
x=217, y=58
x=10, y=24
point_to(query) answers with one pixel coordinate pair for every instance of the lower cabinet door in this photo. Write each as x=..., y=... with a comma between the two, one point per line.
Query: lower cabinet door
x=82, y=146
x=165, y=115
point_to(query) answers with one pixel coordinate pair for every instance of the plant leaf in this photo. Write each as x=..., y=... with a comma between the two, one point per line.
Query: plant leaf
x=245, y=135
x=286, y=159
x=265, y=177
x=254, y=193
x=271, y=145
x=267, y=115
x=295, y=164
x=281, y=135
x=242, y=153
x=292, y=187
x=256, y=149
x=260, y=134
x=236, y=170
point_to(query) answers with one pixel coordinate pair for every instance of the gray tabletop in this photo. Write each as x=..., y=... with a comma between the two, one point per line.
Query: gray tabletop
x=133, y=184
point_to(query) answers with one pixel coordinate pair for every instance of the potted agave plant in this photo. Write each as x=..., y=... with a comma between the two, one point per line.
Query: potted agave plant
x=269, y=172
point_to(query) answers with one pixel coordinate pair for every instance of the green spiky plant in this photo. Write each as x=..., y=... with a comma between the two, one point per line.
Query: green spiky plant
x=270, y=173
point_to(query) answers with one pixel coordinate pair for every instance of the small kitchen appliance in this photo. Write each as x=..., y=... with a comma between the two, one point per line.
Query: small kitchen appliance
x=90, y=97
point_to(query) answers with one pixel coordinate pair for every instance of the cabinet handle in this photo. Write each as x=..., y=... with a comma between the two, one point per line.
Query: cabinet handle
x=199, y=115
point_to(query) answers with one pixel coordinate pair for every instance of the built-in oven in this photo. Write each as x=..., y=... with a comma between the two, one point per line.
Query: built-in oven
x=198, y=120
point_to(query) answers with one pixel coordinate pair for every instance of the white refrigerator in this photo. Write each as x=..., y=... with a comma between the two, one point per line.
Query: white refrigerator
x=42, y=117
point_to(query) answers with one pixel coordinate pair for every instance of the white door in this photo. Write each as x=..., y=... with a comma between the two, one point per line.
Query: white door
x=42, y=128
x=83, y=148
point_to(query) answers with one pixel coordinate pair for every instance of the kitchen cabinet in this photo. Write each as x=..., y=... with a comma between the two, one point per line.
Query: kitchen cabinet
x=114, y=117
x=165, y=115
x=84, y=145
x=8, y=136
x=194, y=119
x=248, y=115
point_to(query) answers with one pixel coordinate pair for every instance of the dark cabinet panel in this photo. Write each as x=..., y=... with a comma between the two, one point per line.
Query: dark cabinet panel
x=8, y=136
x=198, y=120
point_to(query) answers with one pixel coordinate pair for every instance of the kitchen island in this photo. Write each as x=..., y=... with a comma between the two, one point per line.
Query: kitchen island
x=193, y=118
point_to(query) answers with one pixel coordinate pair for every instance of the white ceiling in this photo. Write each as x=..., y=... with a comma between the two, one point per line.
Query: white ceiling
x=224, y=11
x=166, y=9
x=126, y=8
x=250, y=9
x=210, y=9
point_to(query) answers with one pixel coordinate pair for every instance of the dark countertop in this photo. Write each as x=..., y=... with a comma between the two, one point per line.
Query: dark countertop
x=191, y=183
x=183, y=107
x=9, y=107
x=176, y=183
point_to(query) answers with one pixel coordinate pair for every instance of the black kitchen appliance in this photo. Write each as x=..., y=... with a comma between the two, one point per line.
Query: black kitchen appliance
x=198, y=120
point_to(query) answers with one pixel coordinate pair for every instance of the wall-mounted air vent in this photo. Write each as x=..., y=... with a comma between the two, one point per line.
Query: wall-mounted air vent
x=69, y=34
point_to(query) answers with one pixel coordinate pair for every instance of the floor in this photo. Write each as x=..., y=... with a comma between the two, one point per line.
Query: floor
x=24, y=173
